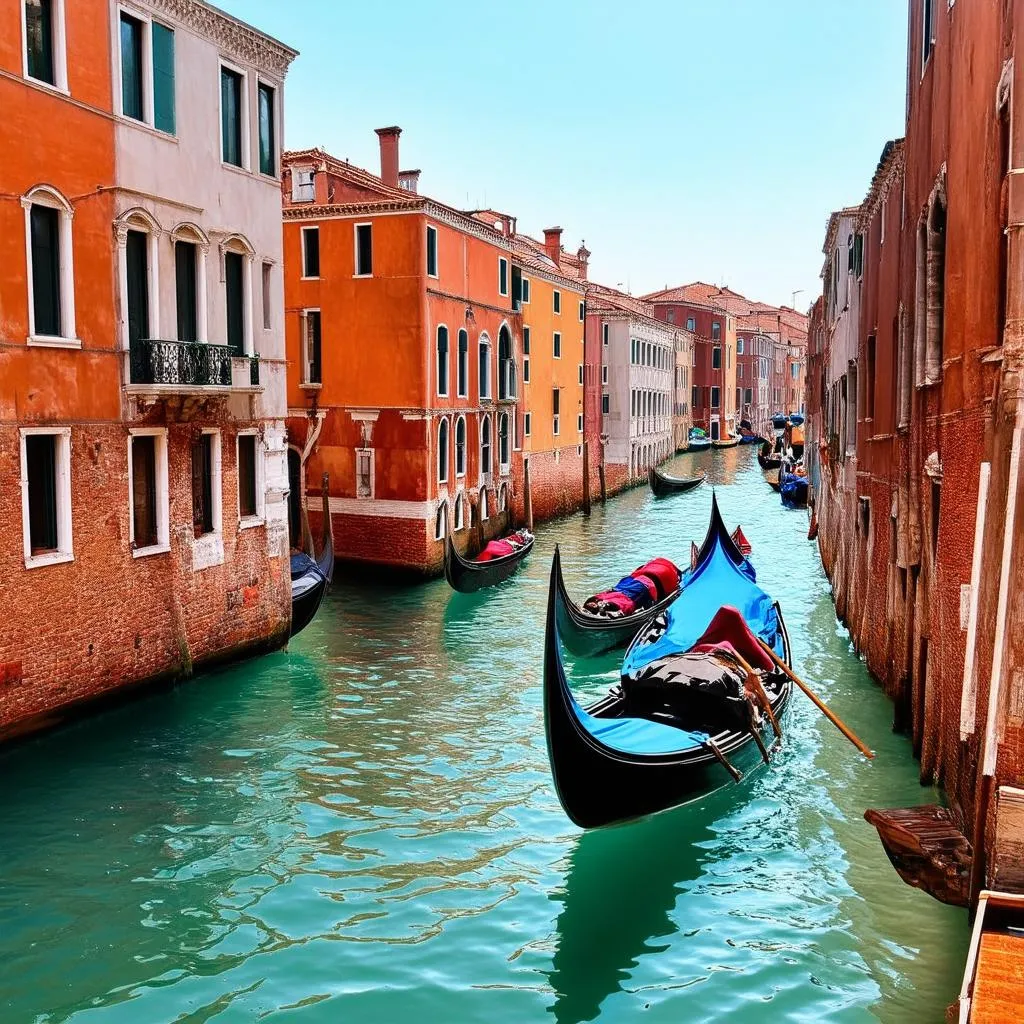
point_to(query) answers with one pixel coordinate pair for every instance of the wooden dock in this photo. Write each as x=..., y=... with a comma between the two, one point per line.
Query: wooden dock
x=993, y=987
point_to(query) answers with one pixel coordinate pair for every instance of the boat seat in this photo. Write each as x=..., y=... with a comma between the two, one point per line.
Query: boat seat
x=639, y=735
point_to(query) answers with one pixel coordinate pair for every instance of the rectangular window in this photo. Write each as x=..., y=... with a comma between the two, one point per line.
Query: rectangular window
x=268, y=309
x=148, y=492
x=927, y=31
x=558, y=345
x=310, y=252
x=46, y=283
x=716, y=358
x=247, y=473
x=739, y=346
x=581, y=373
x=749, y=393
x=556, y=298
x=463, y=364
x=234, y=291
x=311, y=371
x=132, y=100
x=716, y=330
x=604, y=333
x=163, y=78
x=364, y=474
x=205, y=453
x=555, y=406
x=39, y=48
x=526, y=341
x=136, y=256
x=526, y=425
x=41, y=472
x=186, y=256
x=605, y=404
x=739, y=371
x=604, y=374
x=231, y=114
x=268, y=132
x=694, y=397
x=579, y=423
x=526, y=290
x=431, y=251
x=714, y=398
x=691, y=324
x=583, y=310
x=364, y=250
x=502, y=276
x=526, y=369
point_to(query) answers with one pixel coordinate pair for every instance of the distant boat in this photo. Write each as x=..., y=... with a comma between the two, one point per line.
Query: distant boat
x=699, y=444
x=468, y=576
x=725, y=442
x=310, y=579
x=662, y=484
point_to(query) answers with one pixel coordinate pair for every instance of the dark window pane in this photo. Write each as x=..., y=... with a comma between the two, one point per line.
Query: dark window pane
x=185, y=260
x=526, y=341
x=442, y=360
x=463, y=362
x=233, y=290
x=131, y=67
x=46, y=270
x=364, y=249
x=39, y=39
x=202, y=485
x=136, y=260
x=432, y=251
x=163, y=78
x=231, y=116
x=268, y=156
x=41, y=459
x=144, y=491
x=311, y=252
x=247, y=476
x=503, y=276
x=313, y=341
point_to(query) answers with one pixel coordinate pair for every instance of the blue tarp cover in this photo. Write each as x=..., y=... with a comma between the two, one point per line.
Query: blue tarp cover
x=638, y=735
x=715, y=583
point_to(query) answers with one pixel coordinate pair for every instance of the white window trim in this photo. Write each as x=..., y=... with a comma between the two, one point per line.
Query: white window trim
x=527, y=423
x=443, y=472
x=526, y=369
x=503, y=262
x=604, y=373
x=503, y=466
x=448, y=358
x=526, y=291
x=241, y=247
x=465, y=435
x=60, y=59
x=370, y=453
x=461, y=387
x=483, y=504
x=248, y=522
x=244, y=114
x=46, y=196
x=152, y=232
x=278, y=119
x=148, y=109
x=208, y=548
x=459, y=516
x=583, y=307
x=266, y=293
x=487, y=396
x=579, y=423
x=556, y=302
x=355, y=247
x=440, y=520
x=555, y=423
x=437, y=253
x=486, y=474
x=304, y=369
x=195, y=236
x=65, y=544
x=556, y=343
x=296, y=171
x=302, y=250
x=163, y=534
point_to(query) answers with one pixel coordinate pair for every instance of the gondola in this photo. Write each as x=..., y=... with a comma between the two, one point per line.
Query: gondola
x=610, y=766
x=467, y=576
x=779, y=421
x=698, y=444
x=584, y=634
x=771, y=478
x=662, y=484
x=749, y=437
x=310, y=579
x=796, y=419
x=793, y=490
x=725, y=442
x=768, y=458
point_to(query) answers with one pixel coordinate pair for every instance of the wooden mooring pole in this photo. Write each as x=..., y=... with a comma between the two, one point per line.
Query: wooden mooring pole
x=527, y=495
x=586, y=479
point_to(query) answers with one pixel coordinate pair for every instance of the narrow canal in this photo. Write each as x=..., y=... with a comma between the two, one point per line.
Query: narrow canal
x=364, y=828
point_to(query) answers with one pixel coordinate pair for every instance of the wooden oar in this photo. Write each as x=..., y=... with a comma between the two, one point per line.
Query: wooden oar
x=820, y=704
x=723, y=760
x=758, y=687
x=756, y=733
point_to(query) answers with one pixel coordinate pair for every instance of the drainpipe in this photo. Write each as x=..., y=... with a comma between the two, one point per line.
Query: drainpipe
x=969, y=698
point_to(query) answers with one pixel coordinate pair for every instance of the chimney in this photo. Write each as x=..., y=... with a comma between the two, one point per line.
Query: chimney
x=409, y=180
x=389, y=155
x=320, y=194
x=583, y=255
x=553, y=244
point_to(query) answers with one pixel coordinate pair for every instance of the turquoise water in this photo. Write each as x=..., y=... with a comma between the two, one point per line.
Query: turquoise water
x=364, y=828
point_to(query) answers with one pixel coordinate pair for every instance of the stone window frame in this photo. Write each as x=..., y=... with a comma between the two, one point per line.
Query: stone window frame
x=48, y=196
x=163, y=500
x=259, y=519
x=60, y=50
x=65, y=551
x=141, y=220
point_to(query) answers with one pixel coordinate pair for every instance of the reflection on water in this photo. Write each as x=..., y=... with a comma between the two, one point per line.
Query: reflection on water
x=364, y=828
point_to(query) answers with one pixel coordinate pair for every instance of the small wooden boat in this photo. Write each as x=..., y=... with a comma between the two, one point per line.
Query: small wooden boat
x=662, y=484
x=310, y=579
x=585, y=634
x=994, y=974
x=699, y=444
x=768, y=458
x=771, y=478
x=610, y=765
x=467, y=576
x=725, y=442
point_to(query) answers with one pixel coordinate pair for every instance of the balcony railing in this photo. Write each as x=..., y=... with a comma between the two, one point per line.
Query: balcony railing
x=187, y=364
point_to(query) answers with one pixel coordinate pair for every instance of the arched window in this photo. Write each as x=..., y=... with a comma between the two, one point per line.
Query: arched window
x=238, y=256
x=459, y=514
x=506, y=365
x=460, y=446
x=483, y=504
x=51, y=277
x=503, y=441
x=442, y=360
x=485, y=445
x=439, y=521
x=442, y=452
x=485, y=366
x=137, y=233
x=503, y=498
x=463, y=365
x=191, y=252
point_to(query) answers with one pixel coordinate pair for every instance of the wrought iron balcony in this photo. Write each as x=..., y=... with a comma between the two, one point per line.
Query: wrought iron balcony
x=187, y=364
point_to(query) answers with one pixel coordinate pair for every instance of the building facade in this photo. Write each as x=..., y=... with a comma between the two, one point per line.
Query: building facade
x=920, y=456
x=754, y=349
x=682, y=419
x=141, y=431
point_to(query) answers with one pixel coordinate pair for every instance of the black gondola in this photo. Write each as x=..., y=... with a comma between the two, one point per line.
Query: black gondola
x=610, y=766
x=584, y=634
x=310, y=579
x=768, y=458
x=467, y=576
x=772, y=479
x=662, y=484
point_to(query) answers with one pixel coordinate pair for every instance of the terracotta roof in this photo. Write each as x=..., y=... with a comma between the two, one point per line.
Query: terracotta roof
x=890, y=164
x=533, y=253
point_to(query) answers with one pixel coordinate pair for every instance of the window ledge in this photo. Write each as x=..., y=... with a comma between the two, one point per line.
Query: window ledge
x=48, y=558
x=270, y=179
x=235, y=168
x=153, y=549
x=53, y=341
x=48, y=86
x=250, y=522
x=311, y=387
x=362, y=276
x=133, y=122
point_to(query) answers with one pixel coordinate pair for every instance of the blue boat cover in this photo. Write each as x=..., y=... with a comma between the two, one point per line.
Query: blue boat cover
x=636, y=591
x=301, y=563
x=714, y=583
x=638, y=735
x=793, y=490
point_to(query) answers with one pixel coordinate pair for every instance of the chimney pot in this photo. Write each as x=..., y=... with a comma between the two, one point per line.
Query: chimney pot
x=553, y=244
x=389, y=154
x=583, y=255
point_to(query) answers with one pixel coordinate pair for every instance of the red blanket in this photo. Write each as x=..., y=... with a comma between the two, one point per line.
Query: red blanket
x=495, y=549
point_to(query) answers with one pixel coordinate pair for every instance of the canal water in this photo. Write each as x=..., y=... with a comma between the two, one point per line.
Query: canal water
x=364, y=828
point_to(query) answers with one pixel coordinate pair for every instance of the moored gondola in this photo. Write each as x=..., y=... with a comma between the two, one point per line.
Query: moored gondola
x=771, y=478
x=310, y=579
x=467, y=576
x=585, y=634
x=662, y=484
x=725, y=442
x=610, y=763
x=768, y=457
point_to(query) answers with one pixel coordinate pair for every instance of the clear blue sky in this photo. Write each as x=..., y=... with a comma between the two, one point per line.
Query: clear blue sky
x=683, y=139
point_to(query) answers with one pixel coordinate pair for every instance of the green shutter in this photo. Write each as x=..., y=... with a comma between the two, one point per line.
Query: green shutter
x=163, y=78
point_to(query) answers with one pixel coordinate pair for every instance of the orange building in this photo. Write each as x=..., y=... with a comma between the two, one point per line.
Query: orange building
x=404, y=365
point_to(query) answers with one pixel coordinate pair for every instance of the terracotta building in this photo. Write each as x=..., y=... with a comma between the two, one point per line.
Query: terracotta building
x=914, y=400
x=754, y=352
x=141, y=350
